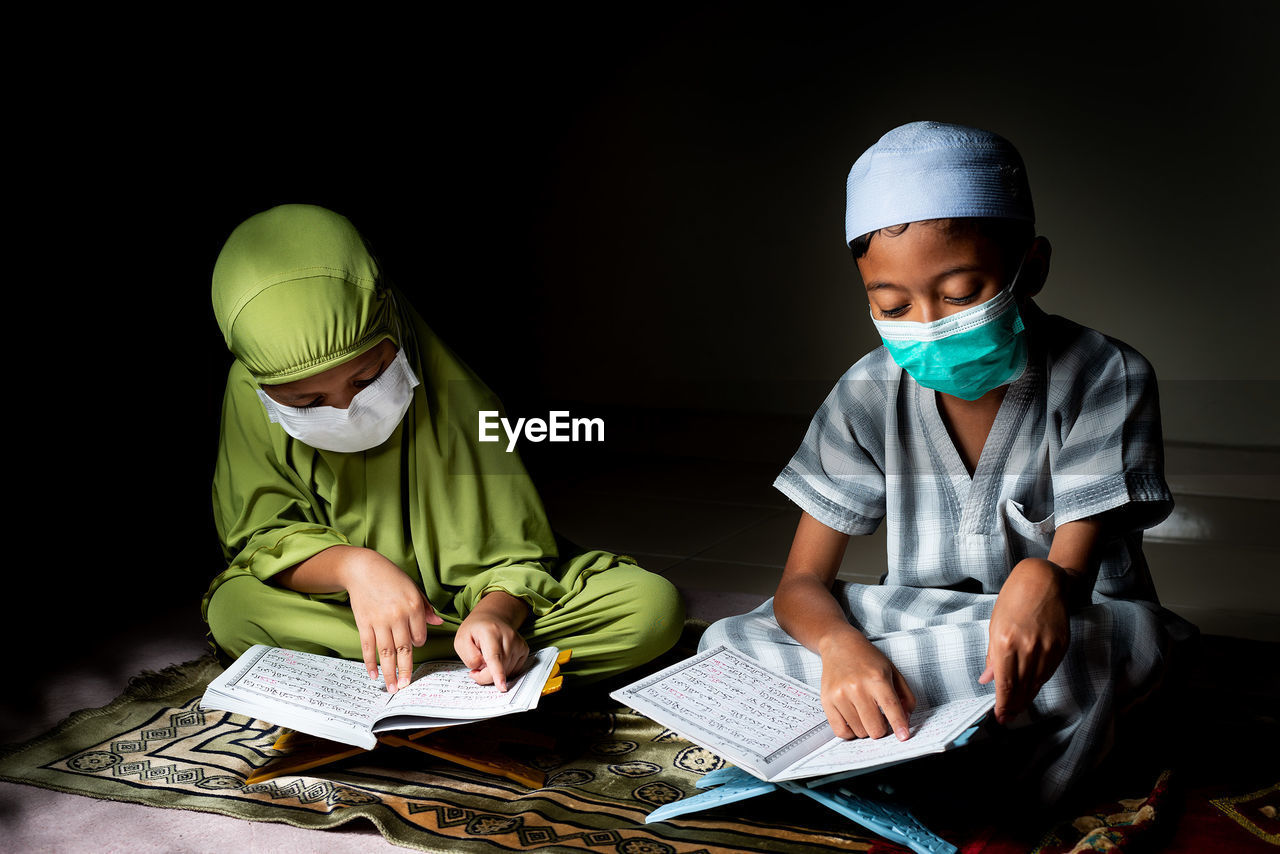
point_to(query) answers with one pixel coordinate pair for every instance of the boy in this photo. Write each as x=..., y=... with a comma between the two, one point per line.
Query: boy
x=1014, y=457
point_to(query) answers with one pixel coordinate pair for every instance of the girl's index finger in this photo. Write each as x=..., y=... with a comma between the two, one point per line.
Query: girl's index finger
x=493, y=658
x=366, y=650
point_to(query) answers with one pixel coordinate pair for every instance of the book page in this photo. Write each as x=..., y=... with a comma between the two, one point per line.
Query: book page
x=338, y=691
x=444, y=689
x=734, y=707
x=932, y=729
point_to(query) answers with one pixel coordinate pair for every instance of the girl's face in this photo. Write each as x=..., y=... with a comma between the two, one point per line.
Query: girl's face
x=336, y=386
x=928, y=272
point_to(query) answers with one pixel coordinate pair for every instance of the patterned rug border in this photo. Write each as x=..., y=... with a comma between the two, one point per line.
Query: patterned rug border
x=152, y=686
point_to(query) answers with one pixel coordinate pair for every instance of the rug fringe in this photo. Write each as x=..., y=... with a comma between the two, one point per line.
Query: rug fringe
x=150, y=684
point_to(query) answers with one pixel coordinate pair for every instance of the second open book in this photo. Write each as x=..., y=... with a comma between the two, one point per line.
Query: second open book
x=774, y=726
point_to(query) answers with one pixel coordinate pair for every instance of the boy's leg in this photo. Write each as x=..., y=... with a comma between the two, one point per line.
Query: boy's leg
x=1115, y=657
x=758, y=635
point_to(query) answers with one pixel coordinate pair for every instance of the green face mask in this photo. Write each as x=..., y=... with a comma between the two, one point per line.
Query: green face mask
x=966, y=354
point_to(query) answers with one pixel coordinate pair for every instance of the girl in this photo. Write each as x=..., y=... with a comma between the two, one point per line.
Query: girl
x=360, y=515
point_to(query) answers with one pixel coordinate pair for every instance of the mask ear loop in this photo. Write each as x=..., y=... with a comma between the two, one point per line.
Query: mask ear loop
x=1022, y=262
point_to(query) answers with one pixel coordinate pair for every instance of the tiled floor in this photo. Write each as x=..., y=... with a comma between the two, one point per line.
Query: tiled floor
x=707, y=525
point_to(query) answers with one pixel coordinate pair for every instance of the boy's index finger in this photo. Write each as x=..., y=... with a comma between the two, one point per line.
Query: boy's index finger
x=891, y=707
x=1004, y=670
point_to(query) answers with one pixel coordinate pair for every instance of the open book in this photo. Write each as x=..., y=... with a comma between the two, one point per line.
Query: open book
x=773, y=726
x=334, y=698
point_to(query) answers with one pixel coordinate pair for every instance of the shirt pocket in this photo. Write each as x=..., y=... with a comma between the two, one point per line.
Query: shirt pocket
x=1115, y=559
x=1027, y=538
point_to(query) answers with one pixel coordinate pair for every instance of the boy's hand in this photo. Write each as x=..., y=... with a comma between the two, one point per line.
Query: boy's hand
x=861, y=689
x=1028, y=635
x=487, y=641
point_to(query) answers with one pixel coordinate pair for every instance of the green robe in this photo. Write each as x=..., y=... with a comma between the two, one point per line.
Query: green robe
x=296, y=292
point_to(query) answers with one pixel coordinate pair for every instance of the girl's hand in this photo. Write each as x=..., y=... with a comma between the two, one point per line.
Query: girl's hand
x=487, y=641
x=1028, y=635
x=861, y=689
x=391, y=611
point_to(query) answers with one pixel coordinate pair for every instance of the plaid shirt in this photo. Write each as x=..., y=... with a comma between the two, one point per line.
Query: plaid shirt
x=1077, y=435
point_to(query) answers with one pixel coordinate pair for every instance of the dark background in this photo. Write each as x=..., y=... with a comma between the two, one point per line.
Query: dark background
x=637, y=212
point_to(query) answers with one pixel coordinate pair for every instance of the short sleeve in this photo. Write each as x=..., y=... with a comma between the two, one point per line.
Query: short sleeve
x=837, y=475
x=1111, y=457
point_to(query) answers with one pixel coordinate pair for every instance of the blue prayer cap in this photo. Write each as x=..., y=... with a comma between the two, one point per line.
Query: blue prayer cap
x=932, y=170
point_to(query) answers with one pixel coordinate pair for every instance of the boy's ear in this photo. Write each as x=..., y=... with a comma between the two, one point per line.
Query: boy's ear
x=1035, y=269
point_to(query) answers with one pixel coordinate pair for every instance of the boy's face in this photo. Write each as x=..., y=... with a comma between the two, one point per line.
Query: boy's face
x=928, y=272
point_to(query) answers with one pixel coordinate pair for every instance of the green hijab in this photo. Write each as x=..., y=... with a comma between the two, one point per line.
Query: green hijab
x=296, y=292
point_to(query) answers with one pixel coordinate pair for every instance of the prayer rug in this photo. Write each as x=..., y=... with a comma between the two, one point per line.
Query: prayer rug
x=610, y=767
x=1257, y=812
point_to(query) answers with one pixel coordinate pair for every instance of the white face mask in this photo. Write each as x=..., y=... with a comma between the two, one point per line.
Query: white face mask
x=366, y=423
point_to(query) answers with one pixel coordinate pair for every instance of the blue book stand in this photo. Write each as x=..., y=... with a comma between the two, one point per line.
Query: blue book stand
x=891, y=820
